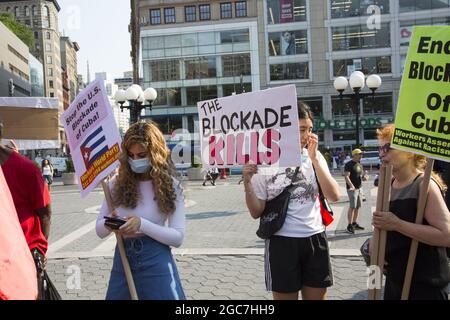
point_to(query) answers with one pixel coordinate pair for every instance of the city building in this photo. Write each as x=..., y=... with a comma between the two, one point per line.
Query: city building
x=69, y=51
x=126, y=81
x=81, y=84
x=14, y=64
x=196, y=50
x=36, y=76
x=193, y=51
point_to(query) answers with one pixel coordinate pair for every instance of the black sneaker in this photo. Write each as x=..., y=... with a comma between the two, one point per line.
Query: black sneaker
x=350, y=229
x=356, y=226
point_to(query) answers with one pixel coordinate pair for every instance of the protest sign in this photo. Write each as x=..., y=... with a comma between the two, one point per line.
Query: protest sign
x=422, y=122
x=93, y=136
x=259, y=127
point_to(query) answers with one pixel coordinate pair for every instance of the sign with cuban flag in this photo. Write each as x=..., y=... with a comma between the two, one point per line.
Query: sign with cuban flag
x=93, y=136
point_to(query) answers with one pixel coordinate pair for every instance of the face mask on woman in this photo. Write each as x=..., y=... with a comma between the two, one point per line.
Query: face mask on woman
x=139, y=165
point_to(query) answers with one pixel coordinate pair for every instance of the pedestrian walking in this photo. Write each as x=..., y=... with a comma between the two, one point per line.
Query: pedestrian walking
x=47, y=172
x=297, y=256
x=32, y=202
x=146, y=196
x=353, y=172
x=431, y=270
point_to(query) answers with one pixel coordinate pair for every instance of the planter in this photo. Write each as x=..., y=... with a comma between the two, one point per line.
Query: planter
x=195, y=174
x=69, y=178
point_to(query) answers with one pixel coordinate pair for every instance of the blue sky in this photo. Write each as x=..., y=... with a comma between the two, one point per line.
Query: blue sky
x=101, y=29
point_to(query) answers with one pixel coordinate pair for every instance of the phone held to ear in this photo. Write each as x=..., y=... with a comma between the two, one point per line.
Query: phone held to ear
x=114, y=223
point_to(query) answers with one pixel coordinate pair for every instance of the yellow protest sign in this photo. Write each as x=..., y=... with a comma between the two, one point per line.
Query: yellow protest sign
x=422, y=121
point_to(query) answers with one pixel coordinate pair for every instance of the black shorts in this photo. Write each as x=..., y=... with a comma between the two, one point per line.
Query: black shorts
x=291, y=263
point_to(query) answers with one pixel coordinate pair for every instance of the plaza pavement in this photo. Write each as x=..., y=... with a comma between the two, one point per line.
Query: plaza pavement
x=221, y=257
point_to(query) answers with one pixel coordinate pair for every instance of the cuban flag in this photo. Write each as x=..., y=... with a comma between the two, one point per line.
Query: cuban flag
x=94, y=147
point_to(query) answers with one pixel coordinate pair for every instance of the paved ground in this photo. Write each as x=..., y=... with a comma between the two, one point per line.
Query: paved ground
x=221, y=257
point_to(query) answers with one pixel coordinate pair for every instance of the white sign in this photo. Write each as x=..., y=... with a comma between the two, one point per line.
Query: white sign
x=93, y=136
x=261, y=127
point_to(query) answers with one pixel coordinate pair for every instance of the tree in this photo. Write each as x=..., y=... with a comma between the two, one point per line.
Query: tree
x=20, y=30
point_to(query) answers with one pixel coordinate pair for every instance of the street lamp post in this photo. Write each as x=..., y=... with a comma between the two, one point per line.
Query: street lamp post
x=136, y=98
x=357, y=82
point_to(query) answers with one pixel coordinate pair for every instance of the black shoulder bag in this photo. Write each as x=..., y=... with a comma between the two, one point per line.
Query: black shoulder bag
x=274, y=214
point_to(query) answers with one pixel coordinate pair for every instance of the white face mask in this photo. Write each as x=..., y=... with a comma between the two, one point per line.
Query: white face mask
x=139, y=165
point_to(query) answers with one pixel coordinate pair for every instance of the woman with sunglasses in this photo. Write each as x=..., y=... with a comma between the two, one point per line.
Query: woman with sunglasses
x=431, y=271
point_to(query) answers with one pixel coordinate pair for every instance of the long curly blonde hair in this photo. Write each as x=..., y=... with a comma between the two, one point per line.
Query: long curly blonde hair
x=126, y=191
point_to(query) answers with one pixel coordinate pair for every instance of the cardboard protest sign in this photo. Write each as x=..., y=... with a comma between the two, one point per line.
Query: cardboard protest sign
x=18, y=279
x=422, y=122
x=31, y=122
x=261, y=127
x=93, y=136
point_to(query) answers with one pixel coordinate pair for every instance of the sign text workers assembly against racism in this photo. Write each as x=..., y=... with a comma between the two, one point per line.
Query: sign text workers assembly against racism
x=423, y=114
x=93, y=136
x=259, y=127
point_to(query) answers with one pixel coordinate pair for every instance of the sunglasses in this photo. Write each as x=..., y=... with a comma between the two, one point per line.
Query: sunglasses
x=385, y=148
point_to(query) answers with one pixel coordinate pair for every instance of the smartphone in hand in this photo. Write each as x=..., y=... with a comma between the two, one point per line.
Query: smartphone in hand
x=114, y=223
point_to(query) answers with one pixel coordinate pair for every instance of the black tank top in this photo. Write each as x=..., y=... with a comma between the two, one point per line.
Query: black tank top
x=431, y=267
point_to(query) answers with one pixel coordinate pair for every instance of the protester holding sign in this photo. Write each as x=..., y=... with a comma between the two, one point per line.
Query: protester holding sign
x=146, y=195
x=297, y=256
x=431, y=271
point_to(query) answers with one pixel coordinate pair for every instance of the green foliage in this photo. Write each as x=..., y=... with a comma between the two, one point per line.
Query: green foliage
x=69, y=166
x=20, y=30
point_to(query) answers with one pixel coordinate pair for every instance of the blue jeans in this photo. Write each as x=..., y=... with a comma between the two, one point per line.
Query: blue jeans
x=154, y=272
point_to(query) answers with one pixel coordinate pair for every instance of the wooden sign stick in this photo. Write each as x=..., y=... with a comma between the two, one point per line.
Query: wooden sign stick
x=419, y=218
x=383, y=233
x=123, y=256
x=376, y=232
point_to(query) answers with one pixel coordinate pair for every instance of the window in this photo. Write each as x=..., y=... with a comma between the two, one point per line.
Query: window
x=52, y=95
x=49, y=60
x=226, y=10
x=416, y=5
x=235, y=65
x=169, y=15
x=35, y=11
x=163, y=70
x=234, y=36
x=289, y=71
x=205, y=12
x=282, y=11
x=406, y=27
x=50, y=84
x=46, y=20
x=288, y=43
x=155, y=16
x=48, y=36
x=50, y=72
x=36, y=35
x=381, y=103
x=241, y=9
x=315, y=104
x=356, y=8
x=368, y=65
x=168, y=124
x=200, y=68
x=16, y=12
x=360, y=37
x=190, y=13
x=196, y=94
x=229, y=89
x=339, y=135
x=48, y=47
x=27, y=11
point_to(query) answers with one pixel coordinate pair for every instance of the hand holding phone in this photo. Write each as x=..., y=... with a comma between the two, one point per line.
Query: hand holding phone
x=114, y=223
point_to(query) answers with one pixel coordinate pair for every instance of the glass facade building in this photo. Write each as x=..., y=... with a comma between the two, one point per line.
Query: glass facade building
x=303, y=42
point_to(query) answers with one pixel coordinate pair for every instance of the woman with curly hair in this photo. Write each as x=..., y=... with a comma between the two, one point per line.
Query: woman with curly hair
x=146, y=195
